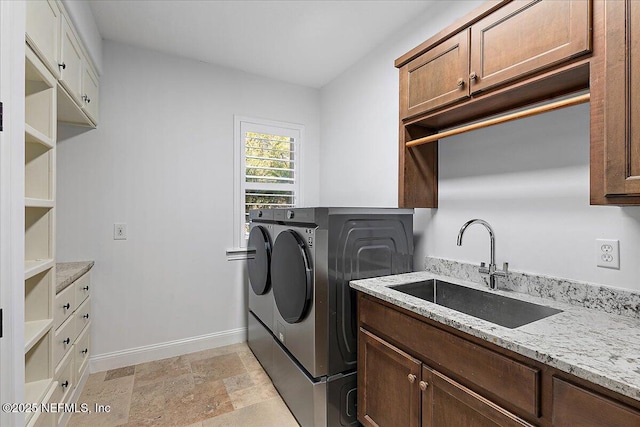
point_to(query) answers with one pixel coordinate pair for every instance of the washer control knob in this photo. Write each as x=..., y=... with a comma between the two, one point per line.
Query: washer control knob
x=259, y=214
x=290, y=214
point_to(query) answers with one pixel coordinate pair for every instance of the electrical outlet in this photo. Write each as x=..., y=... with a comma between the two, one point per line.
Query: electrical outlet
x=608, y=253
x=119, y=231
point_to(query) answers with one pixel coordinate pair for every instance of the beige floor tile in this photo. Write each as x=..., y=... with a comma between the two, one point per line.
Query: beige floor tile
x=238, y=382
x=270, y=413
x=150, y=372
x=115, y=393
x=206, y=400
x=222, y=386
x=219, y=351
x=249, y=360
x=217, y=368
x=120, y=372
x=147, y=405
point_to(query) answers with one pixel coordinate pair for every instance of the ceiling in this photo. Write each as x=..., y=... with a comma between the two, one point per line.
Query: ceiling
x=304, y=42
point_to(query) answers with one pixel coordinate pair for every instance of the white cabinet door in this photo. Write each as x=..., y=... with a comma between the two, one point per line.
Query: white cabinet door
x=90, y=93
x=43, y=31
x=71, y=60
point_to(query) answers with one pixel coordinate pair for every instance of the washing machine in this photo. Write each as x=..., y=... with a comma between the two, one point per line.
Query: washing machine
x=315, y=253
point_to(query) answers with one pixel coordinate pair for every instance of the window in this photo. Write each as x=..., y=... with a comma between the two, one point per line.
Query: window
x=268, y=168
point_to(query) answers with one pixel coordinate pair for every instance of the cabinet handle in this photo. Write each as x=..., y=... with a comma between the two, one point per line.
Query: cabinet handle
x=67, y=306
x=86, y=288
x=67, y=341
x=63, y=66
x=85, y=351
x=86, y=316
x=411, y=378
x=88, y=100
x=473, y=76
x=460, y=83
x=65, y=384
x=423, y=385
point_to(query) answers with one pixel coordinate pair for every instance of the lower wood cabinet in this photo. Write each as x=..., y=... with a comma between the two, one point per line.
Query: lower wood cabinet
x=413, y=371
x=395, y=389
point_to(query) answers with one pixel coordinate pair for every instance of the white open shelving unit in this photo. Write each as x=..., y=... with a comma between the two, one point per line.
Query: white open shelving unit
x=39, y=233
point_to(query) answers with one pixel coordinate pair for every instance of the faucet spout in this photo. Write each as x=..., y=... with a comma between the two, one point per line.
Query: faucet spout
x=491, y=271
x=491, y=236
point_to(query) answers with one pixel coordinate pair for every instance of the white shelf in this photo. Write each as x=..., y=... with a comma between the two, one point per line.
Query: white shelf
x=36, y=390
x=34, y=135
x=36, y=266
x=33, y=331
x=31, y=202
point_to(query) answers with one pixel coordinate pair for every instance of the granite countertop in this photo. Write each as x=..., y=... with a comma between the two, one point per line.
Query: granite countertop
x=594, y=345
x=69, y=272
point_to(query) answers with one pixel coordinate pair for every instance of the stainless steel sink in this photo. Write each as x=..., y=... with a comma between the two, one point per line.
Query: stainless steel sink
x=498, y=309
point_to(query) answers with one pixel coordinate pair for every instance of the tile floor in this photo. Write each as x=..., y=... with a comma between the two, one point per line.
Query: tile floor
x=225, y=386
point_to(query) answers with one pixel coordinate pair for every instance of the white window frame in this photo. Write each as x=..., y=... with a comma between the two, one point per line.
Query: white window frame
x=243, y=124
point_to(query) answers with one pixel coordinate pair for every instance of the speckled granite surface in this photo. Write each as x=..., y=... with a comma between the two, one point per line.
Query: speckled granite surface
x=69, y=272
x=591, y=344
x=589, y=295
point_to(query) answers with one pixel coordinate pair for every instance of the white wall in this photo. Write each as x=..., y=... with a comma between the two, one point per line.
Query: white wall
x=161, y=161
x=529, y=179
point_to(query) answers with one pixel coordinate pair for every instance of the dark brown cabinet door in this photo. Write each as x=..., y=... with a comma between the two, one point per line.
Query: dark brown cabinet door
x=388, y=384
x=447, y=403
x=575, y=406
x=437, y=78
x=622, y=102
x=527, y=36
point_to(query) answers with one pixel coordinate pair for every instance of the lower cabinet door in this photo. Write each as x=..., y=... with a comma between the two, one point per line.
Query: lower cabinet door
x=447, y=403
x=388, y=384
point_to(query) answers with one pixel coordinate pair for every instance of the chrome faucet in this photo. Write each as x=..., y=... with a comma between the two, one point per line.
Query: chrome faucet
x=491, y=271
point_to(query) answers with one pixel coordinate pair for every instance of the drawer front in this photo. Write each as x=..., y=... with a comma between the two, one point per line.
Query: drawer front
x=476, y=367
x=83, y=316
x=65, y=378
x=82, y=350
x=83, y=287
x=63, y=340
x=576, y=406
x=65, y=304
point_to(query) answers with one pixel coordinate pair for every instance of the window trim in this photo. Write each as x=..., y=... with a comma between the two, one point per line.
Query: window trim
x=239, y=242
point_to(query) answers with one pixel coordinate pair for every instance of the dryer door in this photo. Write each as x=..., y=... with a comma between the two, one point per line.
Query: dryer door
x=260, y=264
x=291, y=276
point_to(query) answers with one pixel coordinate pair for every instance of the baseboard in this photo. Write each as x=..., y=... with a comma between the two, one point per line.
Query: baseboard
x=149, y=353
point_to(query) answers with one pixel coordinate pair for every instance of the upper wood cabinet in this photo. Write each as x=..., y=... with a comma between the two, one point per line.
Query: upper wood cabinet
x=527, y=36
x=615, y=105
x=514, y=41
x=437, y=78
x=43, y=31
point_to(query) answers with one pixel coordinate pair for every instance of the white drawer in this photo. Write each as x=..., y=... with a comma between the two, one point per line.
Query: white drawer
x=63, y=340
x=65, y=304
x=83, y=316
x=83, y=287
x=65, y=378
x=82, y=349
